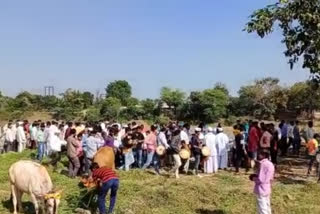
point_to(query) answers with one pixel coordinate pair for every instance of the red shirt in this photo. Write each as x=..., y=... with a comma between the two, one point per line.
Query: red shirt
x=253, y=139
x=104, y=174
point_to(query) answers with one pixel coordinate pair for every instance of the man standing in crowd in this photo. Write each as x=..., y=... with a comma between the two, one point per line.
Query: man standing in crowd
x=296, y=138
x=312, y=147
x=253, y=142
x=176, y=147
x=239, y=146
x=222, y=142
x=74, y=162
x=211, y=164
x=309, y=132
x=284, y=137
x=21, y=137
x=196, y=145
x=9, y=139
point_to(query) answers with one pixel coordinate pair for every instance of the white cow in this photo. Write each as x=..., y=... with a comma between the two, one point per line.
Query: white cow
x=32, y=178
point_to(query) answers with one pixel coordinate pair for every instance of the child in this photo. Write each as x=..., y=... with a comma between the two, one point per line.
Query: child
x=312, y=147
x=108, y=179
x=263, y=181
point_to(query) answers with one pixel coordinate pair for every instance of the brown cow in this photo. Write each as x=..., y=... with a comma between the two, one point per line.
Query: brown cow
x=105, y=157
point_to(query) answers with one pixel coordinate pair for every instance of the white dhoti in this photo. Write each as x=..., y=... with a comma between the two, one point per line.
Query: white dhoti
x=211, y=165
x=21, y=146
x=223, y=161
x=263, y=204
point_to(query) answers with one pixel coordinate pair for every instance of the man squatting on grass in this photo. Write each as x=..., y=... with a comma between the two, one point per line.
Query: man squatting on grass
x=108, y=180
x=263, y=180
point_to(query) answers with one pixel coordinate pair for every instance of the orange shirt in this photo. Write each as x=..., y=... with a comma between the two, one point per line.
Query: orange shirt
x=312, y=146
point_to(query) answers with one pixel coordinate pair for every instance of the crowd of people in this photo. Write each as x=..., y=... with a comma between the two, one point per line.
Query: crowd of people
x=135, y=146
x=175, y=146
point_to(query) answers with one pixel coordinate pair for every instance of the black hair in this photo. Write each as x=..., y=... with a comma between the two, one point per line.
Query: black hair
x=265, y=153
x=73, y=132
x=310, y=124
x=94, y=166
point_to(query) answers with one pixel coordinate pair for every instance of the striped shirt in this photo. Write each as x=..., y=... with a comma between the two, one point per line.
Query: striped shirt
x=104, y=174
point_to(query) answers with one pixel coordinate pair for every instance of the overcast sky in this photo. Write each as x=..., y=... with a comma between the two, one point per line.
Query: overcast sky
x=186, y=44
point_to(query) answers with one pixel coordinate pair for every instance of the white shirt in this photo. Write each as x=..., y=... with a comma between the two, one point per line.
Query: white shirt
x=34, y=133
x=9, y=135
x=210, y=141
x=55, y=144
x=222, y=142
x=162, y=140
x=21, y=136
x=184, y=136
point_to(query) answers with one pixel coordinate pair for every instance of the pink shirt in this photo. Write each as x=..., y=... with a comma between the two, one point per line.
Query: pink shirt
x=151, y=141
x=263, y=180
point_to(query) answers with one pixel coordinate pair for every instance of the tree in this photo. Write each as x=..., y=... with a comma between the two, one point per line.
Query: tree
x=304, y=96
x=221, y=86
x=149, y=108
x=172, y=97
x=262, y=99
x=214, y=103
x=88, y=99
x=110, y=108
x=299, y=21
x=119, y=89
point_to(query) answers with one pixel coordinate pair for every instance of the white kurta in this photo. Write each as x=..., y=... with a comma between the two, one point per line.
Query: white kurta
x=222, y=141
x=211, y=164
x=21, y=138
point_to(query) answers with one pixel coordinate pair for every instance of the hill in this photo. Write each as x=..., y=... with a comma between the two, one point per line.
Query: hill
x=142, y=192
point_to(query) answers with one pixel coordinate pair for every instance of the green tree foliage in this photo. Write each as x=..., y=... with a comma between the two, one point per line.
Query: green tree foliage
x=150, y=108
x=119, y=89
x=263, y=98
x=299, y=21
x=172, y=97
x=304, y=96
x=110, y=108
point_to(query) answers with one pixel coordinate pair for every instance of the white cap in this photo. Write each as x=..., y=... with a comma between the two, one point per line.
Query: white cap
x=20, y=123
x=220, y=129
x=210, y=129
x=90, y=129
x=197, y=129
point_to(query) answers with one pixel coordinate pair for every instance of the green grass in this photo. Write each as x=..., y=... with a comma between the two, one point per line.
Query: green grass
x=144, y=193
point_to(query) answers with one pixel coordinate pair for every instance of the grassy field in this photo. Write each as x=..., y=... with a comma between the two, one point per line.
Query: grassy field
x=144, y=193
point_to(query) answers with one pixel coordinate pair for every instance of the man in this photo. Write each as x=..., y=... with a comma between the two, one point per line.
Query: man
x=185, y=137
x=284, y=137
x=74, y=162
x=309, y=131
x=265, y=141
x=9, y=139
x=108, y=180
x=33, y=135
x=176, y=147
x=92, y=146
x=312, y=147
x=41, y=142
x=263, y=180
x=196, y=146
x=274, y=144
x=222, y=141
x=211, y=164
x=162, y=140
x=239, y=147
x=296, y=138
x=21, y=137
x=138, y=138
x=253, y=141
x=55, y=148
x=151, y=143
x=290, y=134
